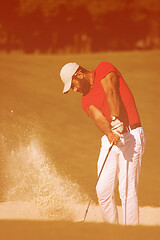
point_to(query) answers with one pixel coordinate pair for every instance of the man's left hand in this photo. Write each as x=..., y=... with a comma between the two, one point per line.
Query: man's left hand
x=117, y=127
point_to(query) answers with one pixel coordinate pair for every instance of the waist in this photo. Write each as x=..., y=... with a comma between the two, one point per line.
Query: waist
x=131, y=127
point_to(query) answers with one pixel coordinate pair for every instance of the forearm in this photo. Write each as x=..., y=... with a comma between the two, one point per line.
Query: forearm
x=99, y=119
x=110, y=85
x=103, y=125
x=113, y=103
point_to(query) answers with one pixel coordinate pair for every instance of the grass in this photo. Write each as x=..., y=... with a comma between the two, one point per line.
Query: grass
x=31, y=87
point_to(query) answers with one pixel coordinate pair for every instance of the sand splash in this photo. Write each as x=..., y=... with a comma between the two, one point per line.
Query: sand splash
x=33, y=181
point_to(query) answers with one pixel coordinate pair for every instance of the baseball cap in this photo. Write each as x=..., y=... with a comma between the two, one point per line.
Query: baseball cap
x=66, y=73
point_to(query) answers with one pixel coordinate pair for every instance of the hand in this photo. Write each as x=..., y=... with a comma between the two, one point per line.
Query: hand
x=113, y=137
x=117, y=127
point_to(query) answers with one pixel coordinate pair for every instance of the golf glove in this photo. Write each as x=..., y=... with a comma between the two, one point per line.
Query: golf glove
x=117, y=127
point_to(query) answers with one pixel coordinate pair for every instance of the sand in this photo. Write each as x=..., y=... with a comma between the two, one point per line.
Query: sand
x=18, y=210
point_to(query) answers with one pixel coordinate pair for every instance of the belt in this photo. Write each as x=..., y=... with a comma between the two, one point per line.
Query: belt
x=131, y=127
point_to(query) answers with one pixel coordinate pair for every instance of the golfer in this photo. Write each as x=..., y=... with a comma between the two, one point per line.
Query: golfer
x=107, y=100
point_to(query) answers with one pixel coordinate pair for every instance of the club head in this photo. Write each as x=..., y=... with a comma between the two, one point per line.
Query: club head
x=82, y=221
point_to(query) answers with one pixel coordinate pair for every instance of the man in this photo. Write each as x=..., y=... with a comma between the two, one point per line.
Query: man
x=109, y=102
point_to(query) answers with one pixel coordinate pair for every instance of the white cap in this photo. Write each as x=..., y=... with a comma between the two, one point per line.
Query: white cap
x=66, y=73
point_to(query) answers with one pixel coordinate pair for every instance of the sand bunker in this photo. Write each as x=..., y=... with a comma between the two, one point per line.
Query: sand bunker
x=29, y=211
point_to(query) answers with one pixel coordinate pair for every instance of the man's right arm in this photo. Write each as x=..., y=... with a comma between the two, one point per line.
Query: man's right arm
x=102, y=123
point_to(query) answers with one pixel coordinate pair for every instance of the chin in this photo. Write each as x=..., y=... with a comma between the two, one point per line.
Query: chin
x=86, y=88
x=86, y=92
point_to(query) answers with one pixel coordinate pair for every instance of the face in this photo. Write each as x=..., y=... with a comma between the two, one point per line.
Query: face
x=80, y=83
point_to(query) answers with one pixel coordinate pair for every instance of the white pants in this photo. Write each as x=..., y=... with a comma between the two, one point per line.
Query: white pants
x=123, y=164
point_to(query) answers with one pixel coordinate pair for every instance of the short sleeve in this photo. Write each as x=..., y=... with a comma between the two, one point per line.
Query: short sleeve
x=103, y=69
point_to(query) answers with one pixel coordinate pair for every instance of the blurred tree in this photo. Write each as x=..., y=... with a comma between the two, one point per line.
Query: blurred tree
x=53, y=25
x=58, y=19
x=9, y=24
x=121, y=24
x=148, y=12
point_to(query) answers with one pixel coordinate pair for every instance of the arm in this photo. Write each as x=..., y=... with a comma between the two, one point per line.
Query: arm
x=102, y=123
x=110, y=85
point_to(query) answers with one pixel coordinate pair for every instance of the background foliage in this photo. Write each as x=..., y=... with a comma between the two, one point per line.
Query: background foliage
x=79, y=26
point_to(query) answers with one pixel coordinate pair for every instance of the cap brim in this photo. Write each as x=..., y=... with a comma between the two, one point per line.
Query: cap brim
x=67, y=86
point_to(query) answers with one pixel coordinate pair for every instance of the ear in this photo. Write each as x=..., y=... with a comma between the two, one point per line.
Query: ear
x=80, y=75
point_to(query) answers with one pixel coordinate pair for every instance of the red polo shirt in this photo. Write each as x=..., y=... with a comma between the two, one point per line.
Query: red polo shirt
x=97, y=96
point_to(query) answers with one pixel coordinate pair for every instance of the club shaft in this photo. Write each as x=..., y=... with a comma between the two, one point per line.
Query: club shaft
x=97, y=181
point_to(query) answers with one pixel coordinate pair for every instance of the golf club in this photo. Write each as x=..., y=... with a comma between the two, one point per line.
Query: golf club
x=97, y=182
